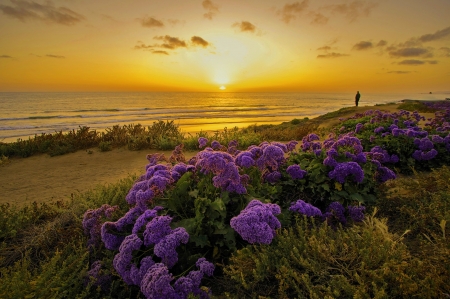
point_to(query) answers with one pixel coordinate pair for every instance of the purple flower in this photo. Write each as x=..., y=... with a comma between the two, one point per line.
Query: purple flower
x=216, y=145
x=122, y=260
x=342, y=170
x=156, y=283
x=358, y=128
x=166, y=247
x=144, y=218
x=205, y=266
x=92, y=225
x=437, y=139
x=305, y=208
x=384, y=174
x=356, y=213
x=296, y=172
x=282, y=146
x=157, y=229
x=202, y=141
x=137, y=273
x=335, y=211
x=378, y=130
x=257, y=222
x=96, y=278
x=272, y=177
x=191, y=282
x=272, y=157
x=291, y=145
x=245, y=159
x=329, y=161
x=110, y=236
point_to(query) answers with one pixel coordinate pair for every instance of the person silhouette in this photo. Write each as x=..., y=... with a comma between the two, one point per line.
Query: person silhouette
x=358, y=95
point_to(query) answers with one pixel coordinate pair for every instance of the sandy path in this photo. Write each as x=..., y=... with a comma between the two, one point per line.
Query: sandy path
x=43, y=178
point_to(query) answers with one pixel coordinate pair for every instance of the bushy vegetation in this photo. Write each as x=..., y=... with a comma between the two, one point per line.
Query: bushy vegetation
x=325, y=218
x=162, y=135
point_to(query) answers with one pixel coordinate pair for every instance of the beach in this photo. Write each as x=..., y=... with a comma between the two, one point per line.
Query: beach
x=42, y=178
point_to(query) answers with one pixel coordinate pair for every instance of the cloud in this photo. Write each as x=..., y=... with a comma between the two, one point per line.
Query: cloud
x=54, y=56
x=324, y=48
x=440, y=34
x=417, y=62
x=445, y=51
x=353, y=10
x=409, y=52
x=245, y=26
x=170, y=42
x=291, y=11
x=25, y=10
x=198, y=41
x=175, y=21
x=211, y=9
x=160, y=52
x=399, y=72
x=332, y=55
x=6, y=56
x=318, y=18
x=151, y=22
x=382, y=43
x=363, y=45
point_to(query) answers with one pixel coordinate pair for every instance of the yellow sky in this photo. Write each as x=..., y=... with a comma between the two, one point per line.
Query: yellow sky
x=201, y=45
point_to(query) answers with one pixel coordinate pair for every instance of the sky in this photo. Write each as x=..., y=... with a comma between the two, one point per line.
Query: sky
x=225, y=45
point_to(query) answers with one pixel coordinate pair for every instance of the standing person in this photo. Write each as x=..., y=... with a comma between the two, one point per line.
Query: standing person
x=358, y=95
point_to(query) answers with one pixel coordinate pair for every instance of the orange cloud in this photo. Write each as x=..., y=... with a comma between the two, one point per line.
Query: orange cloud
x=211, y=9
x=291, y=11
x=151, y=22
x=332, y=55
x=198, y=41
x=25, y=10
x=363, y=45
x=353, y=10
x=245, y=26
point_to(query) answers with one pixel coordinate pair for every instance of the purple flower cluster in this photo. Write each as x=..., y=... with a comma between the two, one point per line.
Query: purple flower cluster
x=356, y=213
x=381, y=155
x=257, y=222
x=202, y=142
x=296, y=172
x=305, y=208
x=157, y=233
x=426, y=149
x=224, y=168
x=311, y=143
x=157, y=282
x=345, y=169
x=95, y=277
x=334, y=214
x=92, y=222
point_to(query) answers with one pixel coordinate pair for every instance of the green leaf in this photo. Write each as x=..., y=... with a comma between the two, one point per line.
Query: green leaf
x=325, y=186
x=219, y=206
x=201, y=240
x=357, y=197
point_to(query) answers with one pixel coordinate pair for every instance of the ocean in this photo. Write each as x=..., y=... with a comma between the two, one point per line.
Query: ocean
x=22, y=115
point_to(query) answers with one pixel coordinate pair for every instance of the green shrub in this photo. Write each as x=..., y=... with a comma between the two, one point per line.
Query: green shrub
x=317, y=261
x=59, y=276
x=105, y=146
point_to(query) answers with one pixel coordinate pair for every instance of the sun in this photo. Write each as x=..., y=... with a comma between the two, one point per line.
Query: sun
x=222, y=87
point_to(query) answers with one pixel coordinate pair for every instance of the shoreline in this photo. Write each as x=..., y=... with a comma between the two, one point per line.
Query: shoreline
x=42, y=178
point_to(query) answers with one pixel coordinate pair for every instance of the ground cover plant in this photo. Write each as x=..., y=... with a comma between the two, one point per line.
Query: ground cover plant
x=313, y=218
